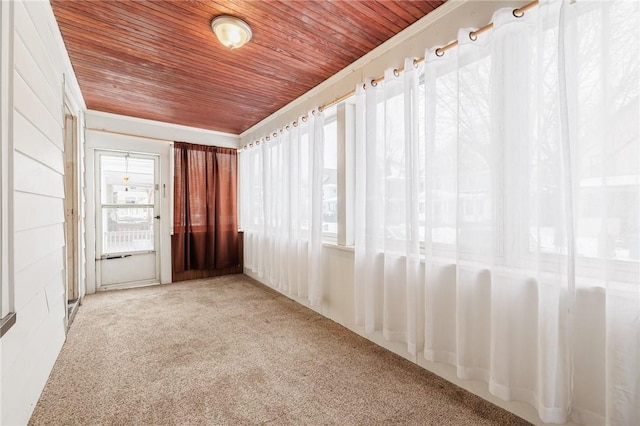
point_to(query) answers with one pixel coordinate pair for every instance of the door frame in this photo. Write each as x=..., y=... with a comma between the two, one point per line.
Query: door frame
x=97, y=205
x=71, y=205
x=72, y=188
x=102, y=139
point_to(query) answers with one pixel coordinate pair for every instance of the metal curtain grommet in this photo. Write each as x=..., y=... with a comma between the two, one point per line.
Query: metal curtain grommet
x=439, y=52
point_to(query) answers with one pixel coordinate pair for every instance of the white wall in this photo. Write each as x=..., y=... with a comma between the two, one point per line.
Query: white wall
x=156, y=130
x=115, y=132
x=35, y=71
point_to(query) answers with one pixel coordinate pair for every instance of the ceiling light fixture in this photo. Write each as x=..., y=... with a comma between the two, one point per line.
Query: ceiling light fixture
x=231, y=31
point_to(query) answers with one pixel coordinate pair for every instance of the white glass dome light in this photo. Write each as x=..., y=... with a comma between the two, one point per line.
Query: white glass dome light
x=231, y=31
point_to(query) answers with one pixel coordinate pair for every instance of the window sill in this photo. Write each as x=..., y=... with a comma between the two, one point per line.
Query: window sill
x=335, y=245
x=7, y=322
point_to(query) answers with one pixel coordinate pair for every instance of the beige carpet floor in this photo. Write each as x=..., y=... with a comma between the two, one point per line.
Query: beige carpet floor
x=229, y=351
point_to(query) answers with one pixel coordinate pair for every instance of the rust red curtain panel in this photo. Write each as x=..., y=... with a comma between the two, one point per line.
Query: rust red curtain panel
x=205, y=207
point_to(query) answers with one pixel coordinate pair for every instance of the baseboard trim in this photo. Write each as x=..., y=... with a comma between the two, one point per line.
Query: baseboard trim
x=72, y=309
x=7, y=322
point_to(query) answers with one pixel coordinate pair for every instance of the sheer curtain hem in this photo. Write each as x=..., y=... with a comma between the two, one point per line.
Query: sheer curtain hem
x=441, y=356
x=395, y=336
x=473, y=373
x=507, y=393
x=552, y=415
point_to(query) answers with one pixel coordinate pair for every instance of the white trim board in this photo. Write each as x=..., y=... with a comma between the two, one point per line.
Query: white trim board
x=107, y=122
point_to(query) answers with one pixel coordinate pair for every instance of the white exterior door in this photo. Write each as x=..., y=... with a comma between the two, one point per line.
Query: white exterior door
x=127, y=219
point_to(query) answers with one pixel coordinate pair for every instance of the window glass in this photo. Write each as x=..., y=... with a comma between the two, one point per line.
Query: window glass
x=605, y=200
x=127, y=180
x=441, y=161
x=127, y=195
x=330, y=174
x=127, y=230
x=304, y=201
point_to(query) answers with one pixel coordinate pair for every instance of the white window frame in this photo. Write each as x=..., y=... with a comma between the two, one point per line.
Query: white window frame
x=172, y=172
x=346, y=179
x=345, y=176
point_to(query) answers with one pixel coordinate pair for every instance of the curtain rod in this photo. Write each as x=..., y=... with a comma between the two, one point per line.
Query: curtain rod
x=473, y=35
x=518, y=13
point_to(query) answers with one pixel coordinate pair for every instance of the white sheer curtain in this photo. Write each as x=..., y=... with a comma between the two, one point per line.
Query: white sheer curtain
x=529, y=204
x=387, y=237
x=599, y=57
x=282, y=209
x=499, y=278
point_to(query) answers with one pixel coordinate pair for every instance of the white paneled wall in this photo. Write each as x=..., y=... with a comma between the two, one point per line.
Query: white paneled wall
x=34, y=67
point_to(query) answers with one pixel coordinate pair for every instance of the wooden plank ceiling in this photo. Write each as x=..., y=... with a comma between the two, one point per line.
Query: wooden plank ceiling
x=160, y=60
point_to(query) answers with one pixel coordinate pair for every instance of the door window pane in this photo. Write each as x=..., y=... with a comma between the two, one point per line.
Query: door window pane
x=127, y=180
x=127, y=229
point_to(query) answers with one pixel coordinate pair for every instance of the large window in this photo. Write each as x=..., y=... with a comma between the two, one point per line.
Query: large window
x=480, y=180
